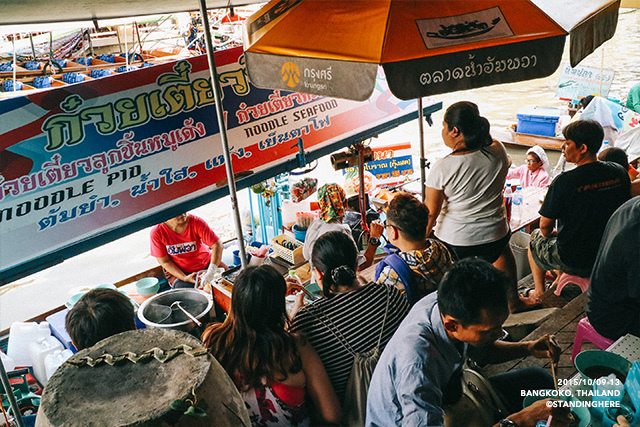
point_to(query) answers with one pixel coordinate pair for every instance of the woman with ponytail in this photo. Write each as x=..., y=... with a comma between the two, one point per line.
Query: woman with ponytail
x=350, y=317
x=464, y=195
x=276, y=371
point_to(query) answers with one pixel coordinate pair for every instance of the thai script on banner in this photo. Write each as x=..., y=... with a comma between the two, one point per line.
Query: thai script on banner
x=80, y=160
x=581, y=81
x=391, y=164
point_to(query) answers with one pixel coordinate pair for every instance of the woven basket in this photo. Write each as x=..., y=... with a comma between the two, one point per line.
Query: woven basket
x=291, y=256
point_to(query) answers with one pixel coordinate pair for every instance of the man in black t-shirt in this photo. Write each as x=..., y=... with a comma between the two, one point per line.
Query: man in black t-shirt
x=581, y=201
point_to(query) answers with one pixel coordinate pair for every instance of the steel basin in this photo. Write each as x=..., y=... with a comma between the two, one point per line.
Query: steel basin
x=153, y=312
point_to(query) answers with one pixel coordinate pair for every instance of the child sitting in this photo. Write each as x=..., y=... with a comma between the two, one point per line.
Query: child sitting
x=534, y=173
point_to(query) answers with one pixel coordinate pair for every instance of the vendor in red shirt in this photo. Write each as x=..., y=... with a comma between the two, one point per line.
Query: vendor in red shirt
x=184, y=245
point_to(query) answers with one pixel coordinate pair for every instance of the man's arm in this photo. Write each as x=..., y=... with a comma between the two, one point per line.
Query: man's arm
x=547, y=227
x=216, y=253
x=544, y=347
x=376, y=229
x=172, y=268
x=419, y=396
x=539, y=411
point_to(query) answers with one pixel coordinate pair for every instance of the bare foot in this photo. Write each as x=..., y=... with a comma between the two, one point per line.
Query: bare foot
x=525, y=304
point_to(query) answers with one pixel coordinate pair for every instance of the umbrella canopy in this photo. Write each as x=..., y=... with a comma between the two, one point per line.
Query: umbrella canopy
x=426, y=47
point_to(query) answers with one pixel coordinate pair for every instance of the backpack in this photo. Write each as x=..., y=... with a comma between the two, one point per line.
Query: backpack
x=480, y=404
x=402, y=269
x=354, y=404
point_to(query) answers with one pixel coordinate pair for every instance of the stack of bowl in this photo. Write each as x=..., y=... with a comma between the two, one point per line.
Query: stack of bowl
x=148, y=286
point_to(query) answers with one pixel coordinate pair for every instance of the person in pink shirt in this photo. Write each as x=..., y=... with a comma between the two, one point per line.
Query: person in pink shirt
x=534, y=173
x=184, y=245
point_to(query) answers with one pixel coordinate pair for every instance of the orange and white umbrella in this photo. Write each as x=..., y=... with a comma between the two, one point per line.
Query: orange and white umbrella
x=426, y=47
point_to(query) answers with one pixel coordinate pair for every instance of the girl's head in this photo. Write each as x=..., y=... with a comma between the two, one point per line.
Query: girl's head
x=537, y=158
x=252, y=344
x=533, y=162
x=463, y=123
x=258, y=298
x=335, y=256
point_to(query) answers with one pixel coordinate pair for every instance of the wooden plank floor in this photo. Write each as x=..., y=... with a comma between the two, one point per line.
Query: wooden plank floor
x=562, y=324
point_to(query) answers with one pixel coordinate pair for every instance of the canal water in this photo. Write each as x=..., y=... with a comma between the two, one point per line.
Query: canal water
x=112, y=262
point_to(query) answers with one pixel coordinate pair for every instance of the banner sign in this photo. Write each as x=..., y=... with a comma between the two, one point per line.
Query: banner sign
x=79, y=160
x=581, y=81
x=391, y=164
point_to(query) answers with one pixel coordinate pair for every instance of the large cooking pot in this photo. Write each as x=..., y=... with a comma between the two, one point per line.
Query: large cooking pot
x=162, y=311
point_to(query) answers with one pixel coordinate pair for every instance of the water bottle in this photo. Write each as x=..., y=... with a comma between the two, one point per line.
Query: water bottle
x=291, y=299
x=9, y=364
x=604, y=146
x=508, y=196
x=516, y=205
x=38, y=351
x=294, y=277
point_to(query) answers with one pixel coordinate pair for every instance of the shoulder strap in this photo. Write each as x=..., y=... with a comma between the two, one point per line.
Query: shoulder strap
x=322, y=318
x=401, y=268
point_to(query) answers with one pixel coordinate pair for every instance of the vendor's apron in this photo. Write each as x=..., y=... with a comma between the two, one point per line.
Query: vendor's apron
x=189, y=389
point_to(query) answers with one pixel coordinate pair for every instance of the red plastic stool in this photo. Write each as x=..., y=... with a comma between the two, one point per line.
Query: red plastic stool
x=586, y=332
x=565, y=279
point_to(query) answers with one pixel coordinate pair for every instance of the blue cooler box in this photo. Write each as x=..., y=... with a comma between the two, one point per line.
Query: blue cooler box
x=58, y=329
x=538, y=121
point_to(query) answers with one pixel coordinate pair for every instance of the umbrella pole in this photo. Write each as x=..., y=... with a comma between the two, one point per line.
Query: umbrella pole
x=423, y=163
x=217, y=94
x=6, y=385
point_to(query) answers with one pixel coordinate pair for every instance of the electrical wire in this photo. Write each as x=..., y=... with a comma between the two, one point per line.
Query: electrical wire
x=6, y=419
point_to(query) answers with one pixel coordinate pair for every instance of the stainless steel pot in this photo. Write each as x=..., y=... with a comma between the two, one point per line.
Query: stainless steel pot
x=157, y=311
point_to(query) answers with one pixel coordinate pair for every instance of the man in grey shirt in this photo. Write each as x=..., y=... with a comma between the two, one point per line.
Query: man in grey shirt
x=418, y=372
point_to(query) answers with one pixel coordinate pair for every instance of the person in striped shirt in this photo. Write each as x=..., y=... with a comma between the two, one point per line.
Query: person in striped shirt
x=349, y=318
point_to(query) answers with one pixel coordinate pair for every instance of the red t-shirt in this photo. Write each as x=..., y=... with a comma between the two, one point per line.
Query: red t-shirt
x=190, y=250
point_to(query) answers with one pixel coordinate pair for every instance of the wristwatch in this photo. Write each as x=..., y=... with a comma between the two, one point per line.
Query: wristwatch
x=507, y=423
x=374, y=241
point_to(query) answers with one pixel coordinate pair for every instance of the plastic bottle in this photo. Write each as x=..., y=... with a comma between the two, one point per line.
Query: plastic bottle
x=38, y=351
x=604, y=146
x=294, y=276
x=290, y=300
x=21, y=335
x=508, y=200
x=9, y=364
x=288, y=211
x=53, y=361
x=516, y=204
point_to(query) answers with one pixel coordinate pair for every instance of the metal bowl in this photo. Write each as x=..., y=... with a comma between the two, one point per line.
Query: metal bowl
x=158, y=312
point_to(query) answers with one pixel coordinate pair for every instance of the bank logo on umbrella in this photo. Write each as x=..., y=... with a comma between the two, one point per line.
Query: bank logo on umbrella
x=290, y=74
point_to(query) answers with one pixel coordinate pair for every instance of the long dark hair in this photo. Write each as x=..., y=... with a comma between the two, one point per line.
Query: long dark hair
x=252, y=344
x=466, y=117
x=335, y=255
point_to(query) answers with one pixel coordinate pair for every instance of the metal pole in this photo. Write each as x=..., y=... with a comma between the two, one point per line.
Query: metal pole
x=217, y=94
x=126, y=48
x=90, y=43
x=33, y=49
x=139, y=41
x=423, y=164
x=15, y=65
x=9, y=392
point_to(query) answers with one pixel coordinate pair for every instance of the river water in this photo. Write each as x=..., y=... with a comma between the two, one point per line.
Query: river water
x=42, y=291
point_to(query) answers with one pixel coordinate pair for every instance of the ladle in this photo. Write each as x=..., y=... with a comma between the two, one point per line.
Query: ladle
x=168, y=309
